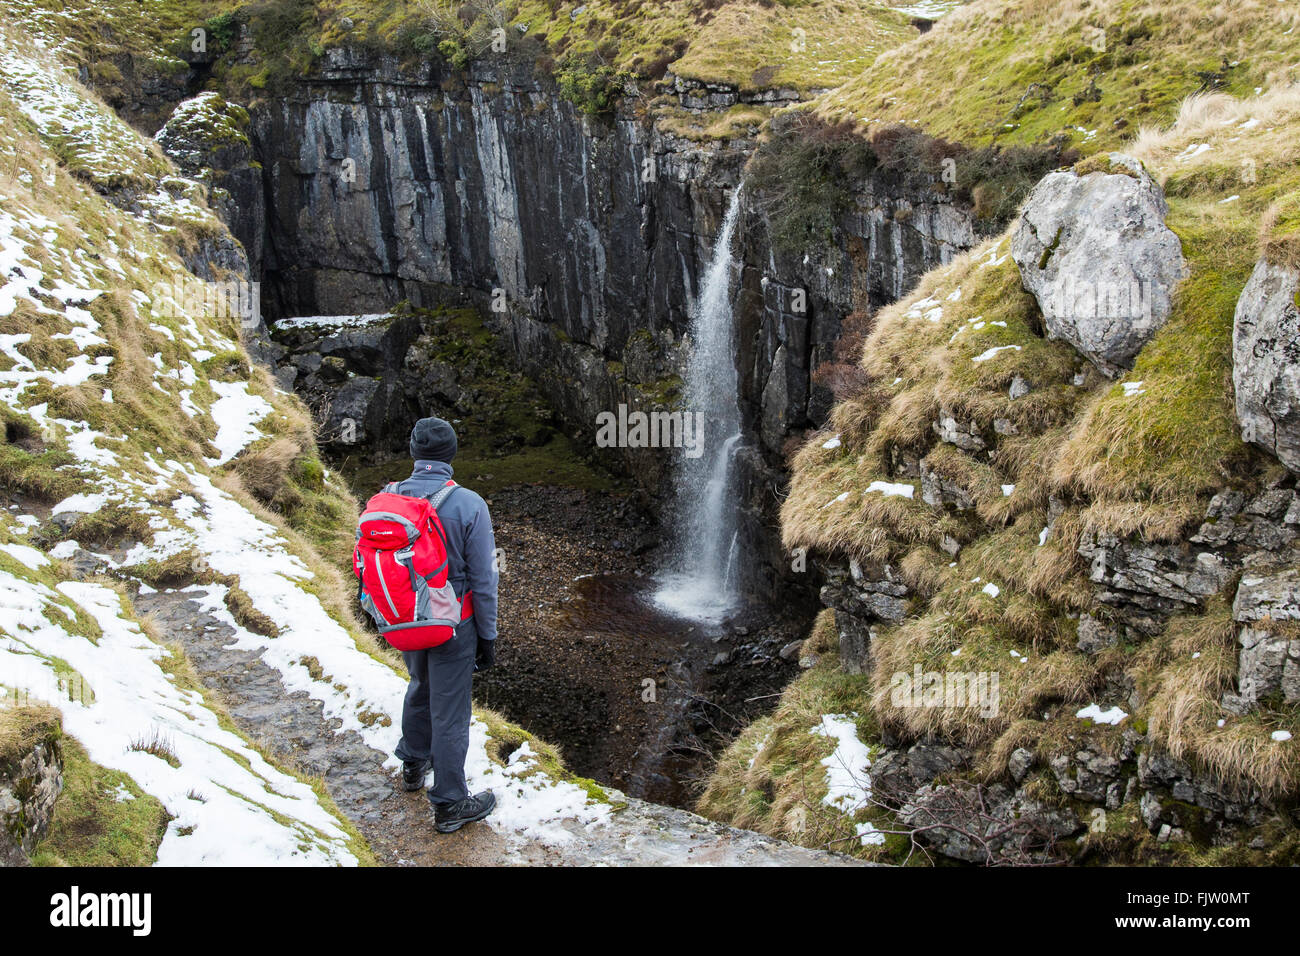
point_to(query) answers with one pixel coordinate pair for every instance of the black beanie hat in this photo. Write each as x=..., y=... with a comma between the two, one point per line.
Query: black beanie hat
x=433, y=439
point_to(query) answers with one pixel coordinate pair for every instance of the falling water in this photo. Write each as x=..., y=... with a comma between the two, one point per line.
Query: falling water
x=700, y=581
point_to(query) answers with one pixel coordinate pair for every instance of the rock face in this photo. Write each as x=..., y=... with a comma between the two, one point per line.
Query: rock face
x=1269, y=662
x=993, y=825
x=1095, y=252
x=351, y=378
x=1145, y=582
x=1266, y=361
x=208, y=139
x=31, y=779
x=1137, y=587
x=583, y=239
x=862, y=599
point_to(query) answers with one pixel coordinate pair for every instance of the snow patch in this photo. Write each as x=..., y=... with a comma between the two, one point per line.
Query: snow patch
x=891, y=489
x=236, y=413
x=1094, y=713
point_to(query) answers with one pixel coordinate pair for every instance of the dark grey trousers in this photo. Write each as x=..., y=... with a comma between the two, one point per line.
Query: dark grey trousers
x=436, y=715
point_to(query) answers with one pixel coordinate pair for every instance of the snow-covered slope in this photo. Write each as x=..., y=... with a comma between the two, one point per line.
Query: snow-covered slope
x=128, y=413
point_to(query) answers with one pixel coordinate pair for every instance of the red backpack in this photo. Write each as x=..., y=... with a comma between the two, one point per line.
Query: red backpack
x=401, y=566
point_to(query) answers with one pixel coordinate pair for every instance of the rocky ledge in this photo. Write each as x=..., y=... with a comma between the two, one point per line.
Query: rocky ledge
x=31, y=779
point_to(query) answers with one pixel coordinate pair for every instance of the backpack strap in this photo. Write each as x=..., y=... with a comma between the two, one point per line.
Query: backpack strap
x=443, y=494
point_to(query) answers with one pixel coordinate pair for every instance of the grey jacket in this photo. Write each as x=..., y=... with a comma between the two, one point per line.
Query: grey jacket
x=471, y=547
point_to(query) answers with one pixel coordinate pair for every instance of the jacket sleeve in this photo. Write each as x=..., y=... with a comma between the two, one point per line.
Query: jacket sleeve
x=481, y=572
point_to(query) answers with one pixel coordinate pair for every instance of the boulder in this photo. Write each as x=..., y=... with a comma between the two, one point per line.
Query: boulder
x=1269, y=661
x=1020, y=762
x=1266, y=361
x=1095, y=252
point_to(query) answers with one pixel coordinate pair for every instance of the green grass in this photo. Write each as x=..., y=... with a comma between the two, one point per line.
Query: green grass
x=1020, y=71
x=92, y=826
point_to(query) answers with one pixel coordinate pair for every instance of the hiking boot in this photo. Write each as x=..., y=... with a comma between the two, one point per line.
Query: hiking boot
x=413, y=774
x=450, y=817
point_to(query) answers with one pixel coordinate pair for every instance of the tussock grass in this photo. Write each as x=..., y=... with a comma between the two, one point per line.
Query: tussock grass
x=1083, y=458
x=1184, y=710
x=108, y=525
x=37, y=474
x=770, y=778
x=264, y=468
x=22, y=728
x=918, y=370
x=156, y=743
x=1026, y=642
x=245, y=613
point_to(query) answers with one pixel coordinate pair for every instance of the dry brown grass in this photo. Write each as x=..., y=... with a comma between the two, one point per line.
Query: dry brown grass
x=22, y=728
x=264, y=468
x=1023, y=688
x=1184, y=710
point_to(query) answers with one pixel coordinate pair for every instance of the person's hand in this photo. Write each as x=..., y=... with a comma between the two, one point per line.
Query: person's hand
x=486, y=655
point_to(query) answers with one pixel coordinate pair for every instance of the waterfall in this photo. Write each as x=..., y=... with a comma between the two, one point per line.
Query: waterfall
x=700, y=582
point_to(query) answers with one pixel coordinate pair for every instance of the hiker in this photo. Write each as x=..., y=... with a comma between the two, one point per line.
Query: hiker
x=436, y=713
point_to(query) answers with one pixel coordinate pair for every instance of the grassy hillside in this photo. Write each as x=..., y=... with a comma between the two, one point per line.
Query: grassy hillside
x=1138, y=456
x=751, y=44
x=1092, y=71
x=143, y=449
x=590, y=47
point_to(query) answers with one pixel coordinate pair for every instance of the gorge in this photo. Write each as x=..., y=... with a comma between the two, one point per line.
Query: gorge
x=924, y=451
x=588, y=245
